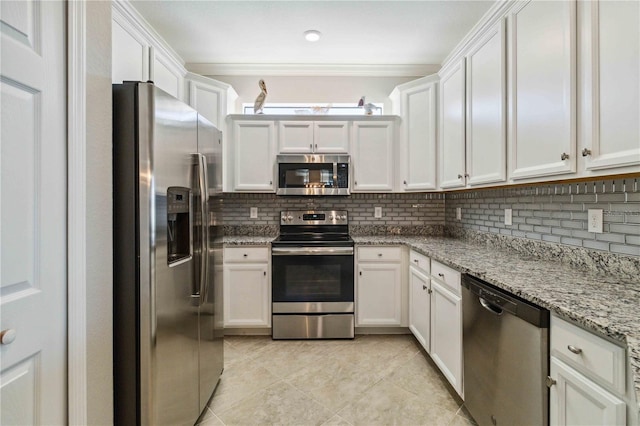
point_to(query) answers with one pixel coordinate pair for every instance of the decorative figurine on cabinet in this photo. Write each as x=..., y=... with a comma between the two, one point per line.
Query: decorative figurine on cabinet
x=257, y=106
x=368, y=108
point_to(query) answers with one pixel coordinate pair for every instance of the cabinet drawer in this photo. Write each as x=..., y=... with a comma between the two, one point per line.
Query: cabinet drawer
x=592, y=355
x=419, y=261
x=447, y=276
x=380, y=253
x=246, y=254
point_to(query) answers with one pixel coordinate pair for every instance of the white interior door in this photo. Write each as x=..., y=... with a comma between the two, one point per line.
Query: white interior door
x=33, y=213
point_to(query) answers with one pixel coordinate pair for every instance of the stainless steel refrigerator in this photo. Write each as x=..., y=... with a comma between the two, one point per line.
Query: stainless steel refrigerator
x=167, y=193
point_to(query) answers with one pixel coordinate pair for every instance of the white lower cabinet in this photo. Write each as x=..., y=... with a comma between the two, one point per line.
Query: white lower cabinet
x=420, y=306
x=446, y=323
x=576, y=400
x=587, y=378
x=247, y=290
x=379, y=295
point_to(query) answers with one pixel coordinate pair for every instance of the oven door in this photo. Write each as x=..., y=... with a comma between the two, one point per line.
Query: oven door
x=312, y=279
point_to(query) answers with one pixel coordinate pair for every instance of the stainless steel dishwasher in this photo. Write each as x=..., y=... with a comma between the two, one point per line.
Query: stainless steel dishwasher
x=506, y=356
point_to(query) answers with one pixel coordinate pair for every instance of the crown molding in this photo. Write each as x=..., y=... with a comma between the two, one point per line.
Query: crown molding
x=332, y=70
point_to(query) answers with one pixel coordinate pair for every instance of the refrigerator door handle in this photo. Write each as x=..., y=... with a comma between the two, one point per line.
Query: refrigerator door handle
x=203, y=183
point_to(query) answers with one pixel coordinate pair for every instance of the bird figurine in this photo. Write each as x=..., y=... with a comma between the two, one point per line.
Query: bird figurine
x=368, y=108
x=259, y=104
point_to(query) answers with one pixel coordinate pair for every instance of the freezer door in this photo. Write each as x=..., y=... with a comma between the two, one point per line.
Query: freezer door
x=174, y=292
x=211, y=318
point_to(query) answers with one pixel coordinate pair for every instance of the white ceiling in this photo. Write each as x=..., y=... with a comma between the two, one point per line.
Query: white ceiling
x=353, y=32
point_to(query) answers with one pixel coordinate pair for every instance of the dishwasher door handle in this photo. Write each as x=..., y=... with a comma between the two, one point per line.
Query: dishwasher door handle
x=489, y=307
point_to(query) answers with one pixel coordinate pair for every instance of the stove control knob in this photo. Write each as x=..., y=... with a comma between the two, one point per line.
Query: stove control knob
x=283, y=218
x=289, y=218
x=343, y=217
x=331, y=217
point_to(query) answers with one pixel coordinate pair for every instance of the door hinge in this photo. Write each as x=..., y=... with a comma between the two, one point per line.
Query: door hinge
x=550, y=382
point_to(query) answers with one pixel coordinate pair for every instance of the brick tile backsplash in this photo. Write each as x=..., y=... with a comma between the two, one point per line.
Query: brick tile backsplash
x=555, y=213
x=398, y=210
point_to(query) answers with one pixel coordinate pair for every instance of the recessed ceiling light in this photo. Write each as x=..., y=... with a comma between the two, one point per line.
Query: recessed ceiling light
x=312, y=35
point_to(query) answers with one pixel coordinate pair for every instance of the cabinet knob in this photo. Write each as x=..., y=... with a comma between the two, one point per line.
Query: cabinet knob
x=564, y=156
x=575, y=350
x=466, y=175
x=429, y=291
x=424, y=287
x=415, y=260
x=355, y=183
x=459, y=176
x=316, y=146
x=264, y=273
x=7, y=336
x=360, y=273
x=379, y=254
x=310, y=146
x=405, y=182
x=440, y=274
x=586, y=152
x=245, y=255
x=550, y=382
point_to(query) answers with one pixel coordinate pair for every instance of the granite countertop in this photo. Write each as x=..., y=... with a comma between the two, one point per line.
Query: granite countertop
x=605, y=304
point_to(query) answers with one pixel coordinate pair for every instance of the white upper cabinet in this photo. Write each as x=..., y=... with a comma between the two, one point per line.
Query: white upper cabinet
x=415, y=102
x=129, y=53
x=166, y=75
x=139, y=54
x=542, y=69
x=372, y=156
x=213, y=99
x=610, y=85
x=452, y=126
x=318, y=137
x=486, y=110
x=253, y=144
x=331, y=137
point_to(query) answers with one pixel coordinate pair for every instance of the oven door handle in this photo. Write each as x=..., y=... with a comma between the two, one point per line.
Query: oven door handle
x=312, y=251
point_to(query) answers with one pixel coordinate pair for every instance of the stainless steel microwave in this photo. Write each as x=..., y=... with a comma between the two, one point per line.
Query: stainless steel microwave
x=302, y=174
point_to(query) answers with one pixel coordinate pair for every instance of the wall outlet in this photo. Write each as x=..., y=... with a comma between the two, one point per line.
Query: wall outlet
x=458, y=213
x=377, y=212
x=594, y=217
x=508, y=217
x=253, y=213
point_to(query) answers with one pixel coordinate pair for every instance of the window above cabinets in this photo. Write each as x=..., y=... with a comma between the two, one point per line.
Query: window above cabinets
x=313, y=109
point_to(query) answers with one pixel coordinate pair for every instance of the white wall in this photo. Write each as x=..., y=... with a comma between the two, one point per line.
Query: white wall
x=321, y=90
x=99, y=247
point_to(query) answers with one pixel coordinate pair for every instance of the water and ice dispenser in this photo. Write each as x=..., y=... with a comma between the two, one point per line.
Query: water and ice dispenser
x=179, y=230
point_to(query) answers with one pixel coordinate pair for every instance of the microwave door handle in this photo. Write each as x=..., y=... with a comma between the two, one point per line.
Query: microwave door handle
x=335, y=175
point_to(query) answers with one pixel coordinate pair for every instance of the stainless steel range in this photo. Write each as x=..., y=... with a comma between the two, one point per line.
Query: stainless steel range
x=312, y=276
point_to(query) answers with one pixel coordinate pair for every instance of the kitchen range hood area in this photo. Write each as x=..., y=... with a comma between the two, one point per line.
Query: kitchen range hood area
x=488, y=219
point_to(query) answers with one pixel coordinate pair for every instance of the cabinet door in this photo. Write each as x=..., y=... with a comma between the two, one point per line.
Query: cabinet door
x=247, y=299
x=610, y=82
x=253, y=143
x=420, y=307
x=379, y=294
x=486, y=111
x=295, y=136
x=575, y=400
x=129, y=53
x=165, y=75
x=542, y=89
x=372, y=157
x=207, y=100
x=452, y=127
x=418, y=140
x=331, y=137
x=446, y=333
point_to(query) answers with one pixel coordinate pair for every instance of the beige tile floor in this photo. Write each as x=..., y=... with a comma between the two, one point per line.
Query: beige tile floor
x=371, y=380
